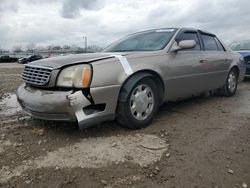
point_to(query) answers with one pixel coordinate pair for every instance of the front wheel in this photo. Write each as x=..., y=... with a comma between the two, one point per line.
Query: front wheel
x=140, y=106
x=230, y=87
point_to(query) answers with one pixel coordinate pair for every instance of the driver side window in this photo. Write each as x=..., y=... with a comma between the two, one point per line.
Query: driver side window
x=190, y=36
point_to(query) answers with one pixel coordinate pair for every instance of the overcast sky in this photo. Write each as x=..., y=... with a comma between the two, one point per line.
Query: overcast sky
x=60, y=22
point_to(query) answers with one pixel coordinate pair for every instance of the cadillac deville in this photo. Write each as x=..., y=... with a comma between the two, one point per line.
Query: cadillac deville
x=130, y=78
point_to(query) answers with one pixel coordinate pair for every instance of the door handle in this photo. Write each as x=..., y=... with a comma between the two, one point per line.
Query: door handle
x=203, y=61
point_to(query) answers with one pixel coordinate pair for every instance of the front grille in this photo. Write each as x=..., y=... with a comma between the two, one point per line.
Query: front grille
x=247, y=59
x=36, y=75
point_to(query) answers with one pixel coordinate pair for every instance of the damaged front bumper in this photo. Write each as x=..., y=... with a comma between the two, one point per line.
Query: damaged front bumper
x=70, y=105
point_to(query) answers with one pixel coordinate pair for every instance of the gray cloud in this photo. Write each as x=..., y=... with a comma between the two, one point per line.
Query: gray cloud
x=6, y=6
x=72, y=8
x=226, y=18
x=44, y=23
x=13, y=5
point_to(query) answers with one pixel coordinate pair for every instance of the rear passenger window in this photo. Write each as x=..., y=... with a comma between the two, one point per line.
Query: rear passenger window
x=220, y=47
x=190, y=36
x=209, y=43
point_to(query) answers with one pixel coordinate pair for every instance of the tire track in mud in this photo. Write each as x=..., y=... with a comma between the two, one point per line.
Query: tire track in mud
x=140, y=149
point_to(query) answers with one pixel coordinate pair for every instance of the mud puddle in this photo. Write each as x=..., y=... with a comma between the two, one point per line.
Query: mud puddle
x=9, y=105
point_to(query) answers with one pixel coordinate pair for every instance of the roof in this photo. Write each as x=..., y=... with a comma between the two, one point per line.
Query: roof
x=175, y=28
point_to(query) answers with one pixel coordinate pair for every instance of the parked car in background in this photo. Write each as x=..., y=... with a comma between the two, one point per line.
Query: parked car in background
x=130, y=78
x=7, y=59
x=243, y=47
x=29, y=59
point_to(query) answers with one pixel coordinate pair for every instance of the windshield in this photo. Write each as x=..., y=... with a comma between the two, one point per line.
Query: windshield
x=244, y=45
x=145, y=41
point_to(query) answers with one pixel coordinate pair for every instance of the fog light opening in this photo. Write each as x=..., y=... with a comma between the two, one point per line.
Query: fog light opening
x=92, y=109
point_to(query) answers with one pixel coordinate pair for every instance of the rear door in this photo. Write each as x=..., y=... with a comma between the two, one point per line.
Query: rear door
x=217, y=61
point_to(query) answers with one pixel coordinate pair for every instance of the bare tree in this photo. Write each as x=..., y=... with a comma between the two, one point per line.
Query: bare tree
x=50, y=47
x=56, y=48
x=17, y=48
x=66, y=47
x=40, y=48
x=30, y=47
x=74, y=47
x=94, y=48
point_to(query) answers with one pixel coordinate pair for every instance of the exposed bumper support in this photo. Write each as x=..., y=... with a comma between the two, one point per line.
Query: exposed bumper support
x=68, y=105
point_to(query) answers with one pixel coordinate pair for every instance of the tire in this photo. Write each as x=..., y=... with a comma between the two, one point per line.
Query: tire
x=230, y=87
x=140, y=105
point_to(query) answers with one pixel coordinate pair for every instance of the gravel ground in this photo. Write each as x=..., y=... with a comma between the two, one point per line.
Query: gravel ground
x=198, y=142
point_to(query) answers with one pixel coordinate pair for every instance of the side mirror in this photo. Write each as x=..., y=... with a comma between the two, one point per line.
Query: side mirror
x=183, y=45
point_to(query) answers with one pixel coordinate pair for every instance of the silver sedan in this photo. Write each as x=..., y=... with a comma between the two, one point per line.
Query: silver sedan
x=130, y=78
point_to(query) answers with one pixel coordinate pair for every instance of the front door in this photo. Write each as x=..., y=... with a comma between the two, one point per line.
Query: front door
x=186, y=69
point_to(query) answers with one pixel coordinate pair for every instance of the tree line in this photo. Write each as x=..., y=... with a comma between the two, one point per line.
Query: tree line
x=33, y=48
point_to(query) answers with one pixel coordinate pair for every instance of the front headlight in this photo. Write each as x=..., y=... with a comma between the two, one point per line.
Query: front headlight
x=78, y=76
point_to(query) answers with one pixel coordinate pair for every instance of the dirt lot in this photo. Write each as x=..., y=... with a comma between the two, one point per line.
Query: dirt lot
x=199, y=142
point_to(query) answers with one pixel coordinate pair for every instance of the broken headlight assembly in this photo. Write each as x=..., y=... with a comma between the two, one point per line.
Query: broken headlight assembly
x=77, y=76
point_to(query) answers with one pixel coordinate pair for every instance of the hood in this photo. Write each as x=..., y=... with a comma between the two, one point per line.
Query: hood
x=61, y=61
x=244, y=53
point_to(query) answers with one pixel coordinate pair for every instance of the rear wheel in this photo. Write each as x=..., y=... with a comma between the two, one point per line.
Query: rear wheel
x=230, y=87
x=140, y=106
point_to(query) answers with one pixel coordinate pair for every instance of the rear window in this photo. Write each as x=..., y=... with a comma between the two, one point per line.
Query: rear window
x=220, y=47
x=209, y=43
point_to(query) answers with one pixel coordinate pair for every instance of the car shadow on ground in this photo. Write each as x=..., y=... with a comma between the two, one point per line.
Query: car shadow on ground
x=111, y=128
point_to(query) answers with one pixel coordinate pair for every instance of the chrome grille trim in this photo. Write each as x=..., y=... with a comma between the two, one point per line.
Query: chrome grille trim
x=36, y=75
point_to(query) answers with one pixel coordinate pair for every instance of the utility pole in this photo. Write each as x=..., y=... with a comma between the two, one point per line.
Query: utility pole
x=85, y=43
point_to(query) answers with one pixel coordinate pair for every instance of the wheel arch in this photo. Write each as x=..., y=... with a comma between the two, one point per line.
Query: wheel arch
x=235, y=67
x=137, y=76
